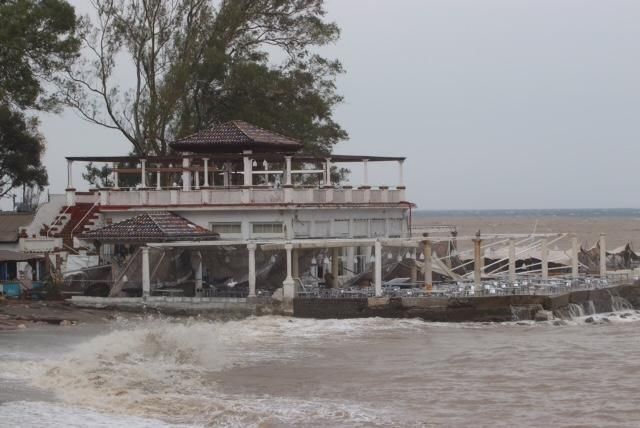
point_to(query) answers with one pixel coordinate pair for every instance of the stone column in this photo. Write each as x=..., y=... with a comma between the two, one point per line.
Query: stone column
x=365, y=167
x=146, y=279
x=575, y=273
x=545, y=259
x=512, y=260
x=252, y=269
x=206, y=171
x=603, y=255
x=158, y=182
x=198, y=274
x=350, y=265
x=288, y=286
x=186, y=175
x=196, y=175
x=378, y=269
x=115, y=176
x=287, y=171
x=335, y=266
x=428, y=264
x=143, y=173
x=400, y=173
x=295, y=263
x=69, y=174
x=327, y=166
x=478, y=260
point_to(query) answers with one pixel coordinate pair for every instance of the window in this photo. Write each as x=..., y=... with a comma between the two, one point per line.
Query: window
x=360, y=228
x=341, y=228
x=323, y=229
x=378, y=227
x=267, y=228
x=395, y=227
x=226, y=228
x=302, y=229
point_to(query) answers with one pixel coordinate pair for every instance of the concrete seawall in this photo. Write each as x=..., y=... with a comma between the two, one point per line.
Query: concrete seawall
x=474, y=309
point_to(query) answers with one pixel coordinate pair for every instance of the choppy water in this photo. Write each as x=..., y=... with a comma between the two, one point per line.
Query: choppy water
x=273, y=372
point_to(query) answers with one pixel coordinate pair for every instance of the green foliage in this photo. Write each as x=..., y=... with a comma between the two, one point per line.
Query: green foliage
x=99, y=177
x=20, y=150
x=201, y=62
x=36, y=42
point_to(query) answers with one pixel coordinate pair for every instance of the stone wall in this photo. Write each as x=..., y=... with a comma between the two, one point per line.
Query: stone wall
x=476, y=309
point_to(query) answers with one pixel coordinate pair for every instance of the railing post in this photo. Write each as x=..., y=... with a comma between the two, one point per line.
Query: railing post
x=287, y=171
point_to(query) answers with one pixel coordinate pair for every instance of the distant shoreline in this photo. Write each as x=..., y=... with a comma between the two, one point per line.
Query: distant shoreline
x=529, y=213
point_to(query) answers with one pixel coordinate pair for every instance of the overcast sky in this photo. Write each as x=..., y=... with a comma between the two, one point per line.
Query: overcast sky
x=496, y=104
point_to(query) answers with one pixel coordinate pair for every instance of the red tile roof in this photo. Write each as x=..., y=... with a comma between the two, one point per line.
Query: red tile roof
x=236, y=136
x=161, y=226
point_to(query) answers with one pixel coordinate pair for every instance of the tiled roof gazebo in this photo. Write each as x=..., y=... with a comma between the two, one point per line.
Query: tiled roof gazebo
x=161, y=226
x=234, y=137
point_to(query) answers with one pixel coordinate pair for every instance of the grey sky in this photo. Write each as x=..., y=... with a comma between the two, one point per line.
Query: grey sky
x=496, y=104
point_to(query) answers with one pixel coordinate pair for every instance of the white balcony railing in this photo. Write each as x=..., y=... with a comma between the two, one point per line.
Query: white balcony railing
x=232, y=196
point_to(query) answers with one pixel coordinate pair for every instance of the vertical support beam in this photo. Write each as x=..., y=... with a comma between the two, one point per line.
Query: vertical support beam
x=478, y=260
x=414, y=266
x=196, y=175
x=351, y=259
x=186, y=175
x=378, y=269
x=198, y=274
x=252, y=269
x=400, y=173
x=115, y=176
x=365, y=168
x=69, y=174
x=143, y=173
x=146, y=279
x=545, y=259
x=575, y=273
x=206, y=171
x=335, y=267
x=158, y=182
x=226, y=178
x=288, y=286
x=603, y=255
x=428, y=264
x=248, y=168
x=512, y=260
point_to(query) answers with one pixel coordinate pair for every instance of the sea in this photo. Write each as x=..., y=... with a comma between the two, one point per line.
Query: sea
x=285, y=372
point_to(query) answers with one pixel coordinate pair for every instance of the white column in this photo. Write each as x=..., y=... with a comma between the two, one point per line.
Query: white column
x=512, y=260
x=378, y=269
x=248, y=169
x=186, y=175
x=196, y=173
x=428, y=264
x=545, y=259
x=115, y=176
x=143, y=173
x=69, y=174
x=252, y=269
x=288, y=286
x=351, y=257
x=146, y=280
x=327, y=166
x=158, y=182
x=206, y=171
x=603, y=255
x=574, y=258
x=401, y=173
x=287, y=171
x=198, y=274
x=365, y=166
